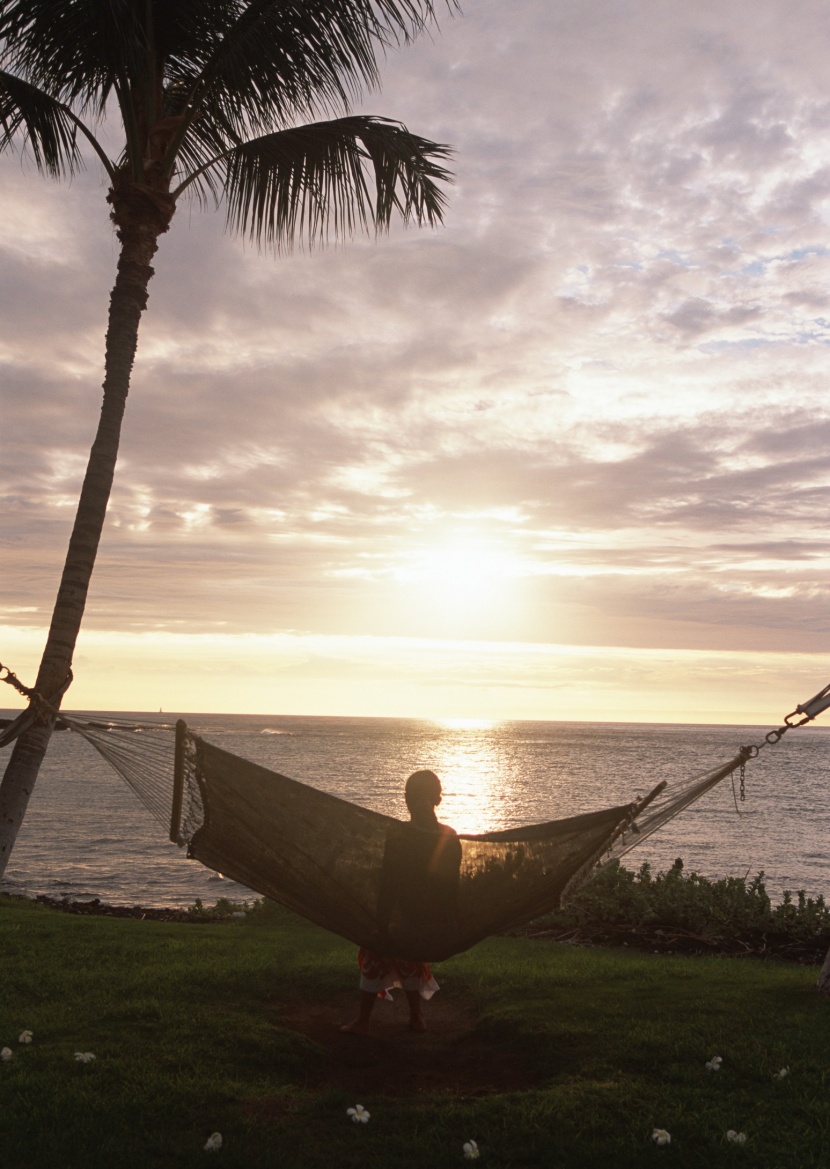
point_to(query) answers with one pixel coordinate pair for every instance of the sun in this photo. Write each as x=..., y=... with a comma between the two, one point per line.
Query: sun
x=463, y=575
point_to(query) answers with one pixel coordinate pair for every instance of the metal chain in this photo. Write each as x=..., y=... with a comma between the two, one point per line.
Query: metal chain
x=742, y=787
x=808, y=710
x=772, y=737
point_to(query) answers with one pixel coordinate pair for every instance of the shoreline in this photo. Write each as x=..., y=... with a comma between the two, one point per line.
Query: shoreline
x=756, y=946
x=98, y=908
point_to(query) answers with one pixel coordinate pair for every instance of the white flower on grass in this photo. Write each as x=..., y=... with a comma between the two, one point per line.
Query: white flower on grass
x=661, y=1137
x=213, y=1143
x=358, y=1114
x=781, y=1074
x=713, y=1064
x=25, y=1037
x=6, y=1054
x=84, y=1056
x=471, y=1151
x=737, y=1138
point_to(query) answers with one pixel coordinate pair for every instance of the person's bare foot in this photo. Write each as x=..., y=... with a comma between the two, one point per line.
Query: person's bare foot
x=358, y=1027
x=417, y=1023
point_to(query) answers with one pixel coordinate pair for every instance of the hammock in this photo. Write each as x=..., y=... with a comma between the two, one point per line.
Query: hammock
x=325, y=857
x=330, y=860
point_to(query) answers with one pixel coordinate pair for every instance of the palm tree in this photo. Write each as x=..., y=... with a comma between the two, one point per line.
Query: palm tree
x=212, y=96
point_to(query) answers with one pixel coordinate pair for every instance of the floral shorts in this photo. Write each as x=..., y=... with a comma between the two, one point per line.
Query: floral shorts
x=379, y=975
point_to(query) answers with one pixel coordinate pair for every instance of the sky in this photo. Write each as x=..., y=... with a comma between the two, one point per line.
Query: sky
x=565, y=457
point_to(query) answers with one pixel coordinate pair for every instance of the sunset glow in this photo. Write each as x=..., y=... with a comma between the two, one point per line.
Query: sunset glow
x=479, y=682
x=460, y=577
x=467, y=724
x=564, y=457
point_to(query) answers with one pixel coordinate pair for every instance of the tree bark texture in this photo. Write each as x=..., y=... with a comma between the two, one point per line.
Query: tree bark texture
x=139, y=242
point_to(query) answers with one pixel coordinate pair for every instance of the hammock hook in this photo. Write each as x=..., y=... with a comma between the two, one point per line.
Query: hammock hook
x=811, y=708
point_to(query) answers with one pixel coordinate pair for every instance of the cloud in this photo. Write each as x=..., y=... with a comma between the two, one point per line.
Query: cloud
x=609, y=364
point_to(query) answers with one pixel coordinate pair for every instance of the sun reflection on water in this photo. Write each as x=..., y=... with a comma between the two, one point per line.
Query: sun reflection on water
x=466, y=759
x=466, y=724
x=86, y=835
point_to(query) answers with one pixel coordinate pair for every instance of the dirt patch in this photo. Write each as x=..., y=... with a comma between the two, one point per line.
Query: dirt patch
x=394, y=1061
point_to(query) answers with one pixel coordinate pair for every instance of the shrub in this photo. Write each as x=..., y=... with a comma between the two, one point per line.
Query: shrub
x=718, y=909
x=223, y=910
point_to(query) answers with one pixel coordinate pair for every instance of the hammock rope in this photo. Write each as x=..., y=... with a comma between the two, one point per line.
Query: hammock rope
x=39, y=708
x=145, y=756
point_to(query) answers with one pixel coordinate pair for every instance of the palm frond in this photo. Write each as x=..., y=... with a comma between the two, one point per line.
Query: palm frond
x=39, y=122
x=283, y=59
x=280, y=62
x=330, y=178
x=72, y=49
x=84, y=51
x=250, y=67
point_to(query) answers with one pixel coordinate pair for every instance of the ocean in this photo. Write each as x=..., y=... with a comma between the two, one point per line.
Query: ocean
x=87, y=836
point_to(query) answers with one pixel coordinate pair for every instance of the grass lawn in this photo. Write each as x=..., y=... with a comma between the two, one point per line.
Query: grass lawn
x=546, y=1055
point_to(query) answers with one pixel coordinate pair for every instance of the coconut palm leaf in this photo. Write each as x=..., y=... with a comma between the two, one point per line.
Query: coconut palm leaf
x=286, y=58
x=46, y=126
x=282, y=61
x=312, y=181
x=70, y=49
x=262, y=63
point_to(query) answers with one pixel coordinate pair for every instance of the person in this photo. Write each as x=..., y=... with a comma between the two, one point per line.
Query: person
x=416, y=911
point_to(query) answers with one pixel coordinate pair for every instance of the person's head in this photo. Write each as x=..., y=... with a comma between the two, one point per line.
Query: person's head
x=422, y=793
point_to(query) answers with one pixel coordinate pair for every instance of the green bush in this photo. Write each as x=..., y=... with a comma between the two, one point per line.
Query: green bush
x=714, y=909
x=223, y=910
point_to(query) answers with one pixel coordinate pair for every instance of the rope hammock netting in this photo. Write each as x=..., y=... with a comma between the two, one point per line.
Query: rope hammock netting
x=330, y=860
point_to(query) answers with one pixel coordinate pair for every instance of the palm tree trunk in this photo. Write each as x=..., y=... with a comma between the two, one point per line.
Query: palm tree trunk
x=823, y=981
x=128, y=300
